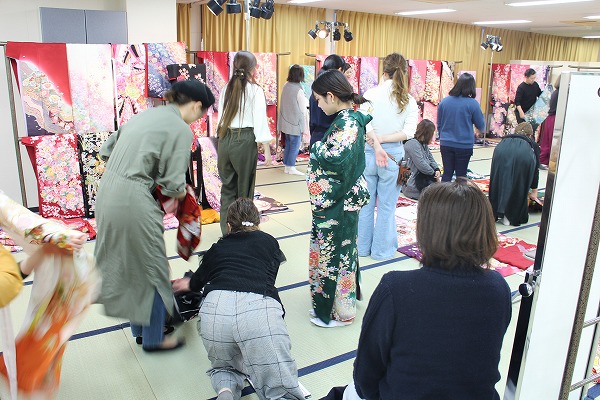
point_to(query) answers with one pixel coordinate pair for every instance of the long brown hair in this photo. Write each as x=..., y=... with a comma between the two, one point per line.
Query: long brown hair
x=455, y=226
x=244, y=64
x=396, y=67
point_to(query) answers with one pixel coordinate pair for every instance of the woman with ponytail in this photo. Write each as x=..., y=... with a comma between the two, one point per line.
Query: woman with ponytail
x=241, y=125
x=395, y=114
x=337, y=191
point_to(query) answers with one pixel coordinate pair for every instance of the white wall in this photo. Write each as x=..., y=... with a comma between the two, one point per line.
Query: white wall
x=147, y=20
x=150, y=21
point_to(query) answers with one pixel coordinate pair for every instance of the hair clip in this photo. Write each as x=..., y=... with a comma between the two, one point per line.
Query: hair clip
x=247, y=223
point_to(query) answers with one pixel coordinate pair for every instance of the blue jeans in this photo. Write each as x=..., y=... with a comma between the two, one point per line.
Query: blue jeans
x=455, y=159
x=153, y=334
x=379, y=238
x=292, y=146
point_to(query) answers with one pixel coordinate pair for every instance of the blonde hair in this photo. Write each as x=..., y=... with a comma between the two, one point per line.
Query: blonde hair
x=244, y=64
x=396, y=67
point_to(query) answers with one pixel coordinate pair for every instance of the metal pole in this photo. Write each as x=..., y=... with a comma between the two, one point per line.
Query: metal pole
x=488, y=99
x=247, y=18
x=586, y=283
x=13, y=115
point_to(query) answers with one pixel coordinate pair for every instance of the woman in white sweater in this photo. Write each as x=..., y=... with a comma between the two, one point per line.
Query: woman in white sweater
x=242, y=124
x=395, y=115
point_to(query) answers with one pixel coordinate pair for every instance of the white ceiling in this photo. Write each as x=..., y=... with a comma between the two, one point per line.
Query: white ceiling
x=548, y=19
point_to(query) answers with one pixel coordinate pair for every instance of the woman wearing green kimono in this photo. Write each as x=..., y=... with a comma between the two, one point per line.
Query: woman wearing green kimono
x=337, y=192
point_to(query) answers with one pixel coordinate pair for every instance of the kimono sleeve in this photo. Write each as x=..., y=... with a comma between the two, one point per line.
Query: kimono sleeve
x=259, y=117
x=174, y=162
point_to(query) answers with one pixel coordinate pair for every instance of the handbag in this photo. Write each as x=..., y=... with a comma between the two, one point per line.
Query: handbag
x=186, y=305
x=403, y=170
x=423, y=180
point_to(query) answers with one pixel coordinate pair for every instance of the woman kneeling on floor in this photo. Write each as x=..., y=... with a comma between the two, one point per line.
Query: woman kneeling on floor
x=241, y=317
x=514, y=171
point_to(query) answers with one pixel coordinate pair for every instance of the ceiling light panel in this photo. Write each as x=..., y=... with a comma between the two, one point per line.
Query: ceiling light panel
x=512, y=21
x=421, y=12
x=592, y=17
x=543, y=3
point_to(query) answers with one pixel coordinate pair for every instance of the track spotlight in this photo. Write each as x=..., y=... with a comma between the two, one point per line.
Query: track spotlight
x=255, y=8
x=323, y=33
x=268, y=9
x=233, y=7
x=348, y=35
x=336, y=34
x=492, y=42
x=313, y=32
x=215, y=6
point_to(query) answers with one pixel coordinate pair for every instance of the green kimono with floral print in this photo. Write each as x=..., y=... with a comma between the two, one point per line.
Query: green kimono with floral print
x=337, y=191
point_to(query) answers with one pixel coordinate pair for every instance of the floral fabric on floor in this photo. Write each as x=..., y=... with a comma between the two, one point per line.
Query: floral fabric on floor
x=56, y=164
x=129, y=64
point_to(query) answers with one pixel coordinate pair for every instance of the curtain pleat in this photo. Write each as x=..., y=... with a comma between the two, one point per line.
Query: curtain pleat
x=183, y=24
x=379, y=35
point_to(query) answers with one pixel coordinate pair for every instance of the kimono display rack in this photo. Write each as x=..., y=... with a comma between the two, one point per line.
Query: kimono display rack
x=15, y=129
x=489, y=97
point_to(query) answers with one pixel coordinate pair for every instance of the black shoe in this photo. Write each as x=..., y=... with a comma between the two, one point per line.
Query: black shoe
x=168, y=330
x=180, y=342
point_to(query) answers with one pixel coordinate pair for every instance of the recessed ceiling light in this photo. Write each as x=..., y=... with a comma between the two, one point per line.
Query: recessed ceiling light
x=542, y=2
x=437, y=11
x=592, y=17
x=513, y=21
x=302, y=1
x=591, y=37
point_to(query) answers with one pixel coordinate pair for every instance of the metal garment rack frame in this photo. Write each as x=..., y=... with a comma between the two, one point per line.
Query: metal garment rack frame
x=524, y=337
x=15, y=128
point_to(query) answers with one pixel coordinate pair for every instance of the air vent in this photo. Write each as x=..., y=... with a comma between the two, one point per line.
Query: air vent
x=583, y=22
x=440, y=1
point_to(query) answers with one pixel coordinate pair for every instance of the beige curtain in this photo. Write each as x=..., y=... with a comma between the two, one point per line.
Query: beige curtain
x=183, y=24
x=285, y=32
x=379, y=35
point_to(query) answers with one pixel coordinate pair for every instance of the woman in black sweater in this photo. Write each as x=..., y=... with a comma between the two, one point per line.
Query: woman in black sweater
x=241, y=316
x=436, y=332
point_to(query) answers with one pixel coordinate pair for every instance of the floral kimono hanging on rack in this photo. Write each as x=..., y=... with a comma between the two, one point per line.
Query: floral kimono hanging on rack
x=92, y=167
x=447, y=78
x=369, y=73
x=56, y=165
x=417, y=75
x=92, y=89
x=129, y=64
x=158, y=56
x=43, y=80
x=217, y=73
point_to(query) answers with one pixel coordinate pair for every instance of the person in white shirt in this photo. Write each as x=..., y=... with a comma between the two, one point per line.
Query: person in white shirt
x=293, y=117
x=395, y=116
x=241, y=125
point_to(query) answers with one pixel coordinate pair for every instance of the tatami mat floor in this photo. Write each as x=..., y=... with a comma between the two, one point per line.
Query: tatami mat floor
x=103, y=361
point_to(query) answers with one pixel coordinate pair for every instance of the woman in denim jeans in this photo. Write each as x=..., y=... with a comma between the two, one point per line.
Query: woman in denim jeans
x=457, y=114
x=395, y=116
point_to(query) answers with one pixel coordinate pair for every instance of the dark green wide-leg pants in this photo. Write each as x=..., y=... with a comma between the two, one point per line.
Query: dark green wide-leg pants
x=237, y=156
